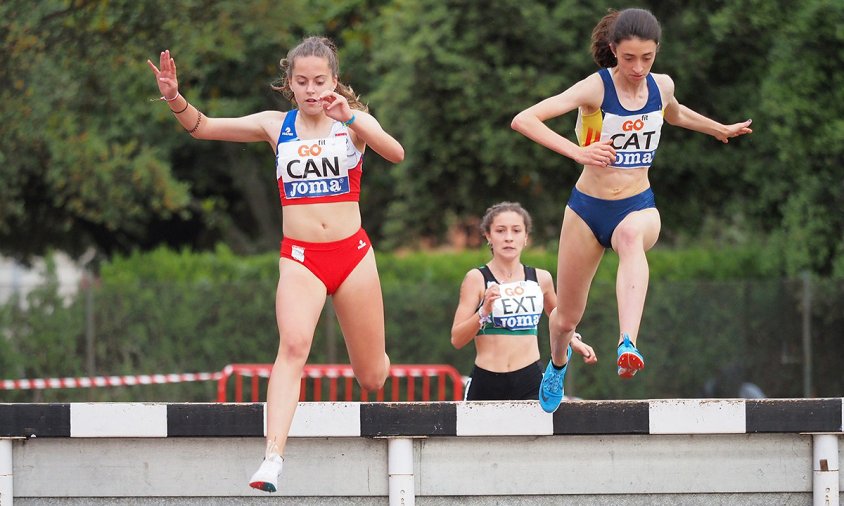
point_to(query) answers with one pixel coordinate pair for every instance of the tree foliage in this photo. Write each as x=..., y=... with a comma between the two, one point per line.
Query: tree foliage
x=456, y=72
x=89, y=158
x=461, y=72
x=803, y=104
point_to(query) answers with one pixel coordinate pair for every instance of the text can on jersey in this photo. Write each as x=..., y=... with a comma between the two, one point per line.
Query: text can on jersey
x=313, y=168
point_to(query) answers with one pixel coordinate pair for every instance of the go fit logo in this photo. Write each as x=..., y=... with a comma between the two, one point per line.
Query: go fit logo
x=312, y=150
x=636, y=125
x=514, y=291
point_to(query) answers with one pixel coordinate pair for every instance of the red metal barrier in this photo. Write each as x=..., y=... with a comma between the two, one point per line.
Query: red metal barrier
x=336, y=382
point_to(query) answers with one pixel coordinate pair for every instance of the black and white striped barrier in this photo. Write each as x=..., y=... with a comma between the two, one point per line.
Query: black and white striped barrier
x=401, y=422
x=398, y=419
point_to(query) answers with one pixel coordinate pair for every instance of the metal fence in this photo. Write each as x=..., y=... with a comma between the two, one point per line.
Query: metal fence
x=335, y=382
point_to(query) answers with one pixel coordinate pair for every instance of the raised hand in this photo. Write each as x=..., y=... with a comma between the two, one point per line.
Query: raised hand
x=165, y=75
x=492, y=293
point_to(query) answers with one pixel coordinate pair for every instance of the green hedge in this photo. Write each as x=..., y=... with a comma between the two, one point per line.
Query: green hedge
x=167, y=311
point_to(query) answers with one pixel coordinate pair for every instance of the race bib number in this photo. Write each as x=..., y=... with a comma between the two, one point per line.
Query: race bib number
x=519, y=307
x=634, y=138
x=313, y=167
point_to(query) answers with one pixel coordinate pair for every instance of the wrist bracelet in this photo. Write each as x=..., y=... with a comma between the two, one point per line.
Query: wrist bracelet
x=482, y=318
x=351, y=120
x=183, y=110
x=198, y=120
x=170, y=99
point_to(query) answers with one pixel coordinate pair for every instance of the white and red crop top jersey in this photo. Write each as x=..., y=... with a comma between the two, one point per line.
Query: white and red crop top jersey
x=312, y=171
x=635, y=134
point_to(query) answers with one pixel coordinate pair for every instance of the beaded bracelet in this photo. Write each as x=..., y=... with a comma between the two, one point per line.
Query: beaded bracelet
x=198, y=119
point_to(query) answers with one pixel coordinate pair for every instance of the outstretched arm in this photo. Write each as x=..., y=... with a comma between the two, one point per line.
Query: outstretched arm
x=682, y=116
x=678, y=114
x=252, y=128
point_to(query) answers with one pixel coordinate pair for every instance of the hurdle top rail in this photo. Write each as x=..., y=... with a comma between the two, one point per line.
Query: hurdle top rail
x=427, y=419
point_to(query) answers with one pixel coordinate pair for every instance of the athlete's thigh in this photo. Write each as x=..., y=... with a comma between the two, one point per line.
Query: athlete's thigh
x=646, y=223
x=299, y=299
x=360, y=310
x=577, y=260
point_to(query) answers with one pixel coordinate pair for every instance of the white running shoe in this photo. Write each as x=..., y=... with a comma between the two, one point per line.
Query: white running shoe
x=266, y=477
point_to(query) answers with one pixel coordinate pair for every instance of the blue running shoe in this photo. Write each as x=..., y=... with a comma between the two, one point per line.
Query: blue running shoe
x=551, y=389
x=630, y=361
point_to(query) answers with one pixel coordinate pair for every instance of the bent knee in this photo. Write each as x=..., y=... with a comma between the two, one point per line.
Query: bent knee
x=627, y=237
x=563, y=324
x=638, y=231
x=372, y=381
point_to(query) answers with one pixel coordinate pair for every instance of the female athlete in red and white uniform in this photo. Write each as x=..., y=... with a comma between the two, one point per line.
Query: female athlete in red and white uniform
x=319, y=147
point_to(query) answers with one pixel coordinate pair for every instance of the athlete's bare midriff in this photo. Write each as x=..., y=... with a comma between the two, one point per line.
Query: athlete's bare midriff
x=325, y=222
x=505, y=353
x=612, y=184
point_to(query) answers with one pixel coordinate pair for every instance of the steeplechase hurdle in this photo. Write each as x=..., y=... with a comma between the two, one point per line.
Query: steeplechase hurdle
x=765, y=451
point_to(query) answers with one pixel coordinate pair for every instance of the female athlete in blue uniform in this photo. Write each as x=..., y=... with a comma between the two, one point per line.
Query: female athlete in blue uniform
x=621, y=109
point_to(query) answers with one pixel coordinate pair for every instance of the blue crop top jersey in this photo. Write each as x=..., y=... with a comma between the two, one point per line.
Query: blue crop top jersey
x=311, y=171
x=635, y=134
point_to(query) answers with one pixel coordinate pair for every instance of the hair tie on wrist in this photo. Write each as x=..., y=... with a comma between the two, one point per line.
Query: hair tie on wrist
x=482, y=318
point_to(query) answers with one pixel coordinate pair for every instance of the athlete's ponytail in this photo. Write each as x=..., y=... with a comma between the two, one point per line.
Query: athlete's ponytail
x=601, y=51
x=617, y=26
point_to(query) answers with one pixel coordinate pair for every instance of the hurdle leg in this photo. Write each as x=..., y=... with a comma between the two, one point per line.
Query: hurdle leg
x=825, y=469
x=6, y=472
x=400, y=469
